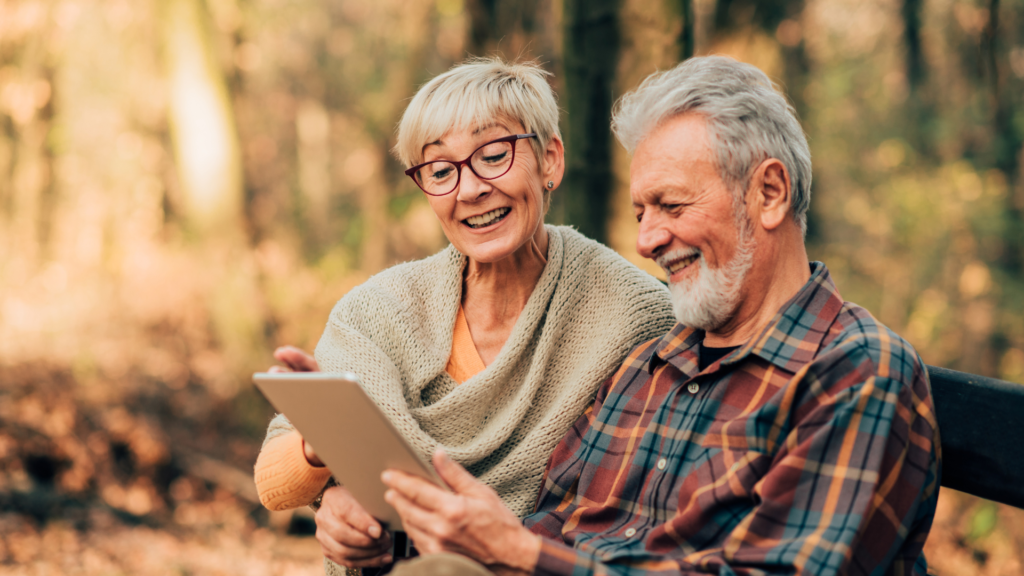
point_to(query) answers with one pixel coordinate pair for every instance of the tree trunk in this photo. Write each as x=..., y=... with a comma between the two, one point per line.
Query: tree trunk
x=686, y=35
x=202, y=124
x=508, y=28
x=591, y=57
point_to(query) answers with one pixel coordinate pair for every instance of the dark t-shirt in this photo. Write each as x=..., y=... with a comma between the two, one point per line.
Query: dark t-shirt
x=709, y=355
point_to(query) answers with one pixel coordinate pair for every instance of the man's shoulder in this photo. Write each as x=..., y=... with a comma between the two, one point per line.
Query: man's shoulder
x=635, y=363
x=858, y=339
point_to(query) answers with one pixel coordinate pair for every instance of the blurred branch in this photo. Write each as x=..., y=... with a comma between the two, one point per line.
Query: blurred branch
x=238, y=482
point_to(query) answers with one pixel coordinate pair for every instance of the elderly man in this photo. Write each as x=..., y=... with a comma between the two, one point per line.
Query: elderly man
x=775, y=430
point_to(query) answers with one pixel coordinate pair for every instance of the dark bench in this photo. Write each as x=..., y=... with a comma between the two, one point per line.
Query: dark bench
x=981, y=421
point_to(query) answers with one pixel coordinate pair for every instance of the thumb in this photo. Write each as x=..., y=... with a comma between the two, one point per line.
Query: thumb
x=454, y=475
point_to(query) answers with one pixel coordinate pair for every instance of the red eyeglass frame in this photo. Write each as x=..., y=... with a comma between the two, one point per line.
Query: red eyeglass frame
x=411, y=172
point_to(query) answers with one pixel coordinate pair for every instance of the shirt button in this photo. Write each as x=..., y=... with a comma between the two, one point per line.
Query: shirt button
x=693, y=387
x=630, y=532
x=662, y=463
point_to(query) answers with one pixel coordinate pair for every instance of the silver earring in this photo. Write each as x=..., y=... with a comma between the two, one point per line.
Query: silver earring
x=551, y=185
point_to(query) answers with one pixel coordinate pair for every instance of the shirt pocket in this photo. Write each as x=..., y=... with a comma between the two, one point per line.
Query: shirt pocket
x=738, y=457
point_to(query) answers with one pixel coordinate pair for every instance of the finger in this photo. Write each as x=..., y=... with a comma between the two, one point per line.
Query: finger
x=420, y=524
x=338, y=502
x=415, y=489
x=311, y=457
x=296, y=359
x=338, y=530
x=278, y=369
x=353, y=558
x=424, y=543
x=453, y=474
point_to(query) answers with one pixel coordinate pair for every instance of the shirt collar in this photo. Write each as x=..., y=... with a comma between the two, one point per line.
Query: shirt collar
x=790, y=340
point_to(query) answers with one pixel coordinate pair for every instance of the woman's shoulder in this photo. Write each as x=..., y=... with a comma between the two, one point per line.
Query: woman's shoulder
x=605, y=268
x=405, y=285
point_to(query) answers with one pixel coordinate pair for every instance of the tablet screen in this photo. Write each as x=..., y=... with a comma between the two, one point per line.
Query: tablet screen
x=348, y=431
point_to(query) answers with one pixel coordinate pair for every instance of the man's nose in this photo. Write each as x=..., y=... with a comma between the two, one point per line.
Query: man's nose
x=471, y=187
x=653, y=238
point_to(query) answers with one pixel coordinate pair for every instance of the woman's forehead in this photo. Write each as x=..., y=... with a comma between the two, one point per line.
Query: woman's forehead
x=476, y=132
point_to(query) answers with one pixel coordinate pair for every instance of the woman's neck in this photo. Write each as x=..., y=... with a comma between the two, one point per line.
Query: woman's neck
x=495, y=293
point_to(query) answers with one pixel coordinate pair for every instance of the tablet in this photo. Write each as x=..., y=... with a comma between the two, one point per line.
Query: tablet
x=348, y=431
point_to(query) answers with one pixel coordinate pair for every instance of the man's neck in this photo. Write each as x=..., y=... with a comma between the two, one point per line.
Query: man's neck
x=775, y=278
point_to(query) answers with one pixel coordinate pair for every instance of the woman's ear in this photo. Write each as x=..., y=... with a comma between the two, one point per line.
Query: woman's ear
x=553, y=167
x=772, y=193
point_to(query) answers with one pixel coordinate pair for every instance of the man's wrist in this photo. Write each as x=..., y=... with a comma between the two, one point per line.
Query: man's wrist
x=525, y=553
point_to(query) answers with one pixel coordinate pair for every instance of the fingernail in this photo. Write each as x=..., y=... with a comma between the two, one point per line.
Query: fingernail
x=385, y=476
x=388, y=558
x=375, y=531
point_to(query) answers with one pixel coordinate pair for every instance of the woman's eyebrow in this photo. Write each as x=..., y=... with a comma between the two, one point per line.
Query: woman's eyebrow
x=440, y=142
x=437, y=142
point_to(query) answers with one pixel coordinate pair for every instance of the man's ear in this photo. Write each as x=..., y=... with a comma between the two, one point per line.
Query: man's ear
x=771, y=193
x=553, y=167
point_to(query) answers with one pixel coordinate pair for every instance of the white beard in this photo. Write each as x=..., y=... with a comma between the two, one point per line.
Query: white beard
x=709, y=301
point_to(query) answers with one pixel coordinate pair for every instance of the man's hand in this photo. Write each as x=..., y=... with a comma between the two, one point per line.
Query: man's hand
x=471, y=520
x=348, y=535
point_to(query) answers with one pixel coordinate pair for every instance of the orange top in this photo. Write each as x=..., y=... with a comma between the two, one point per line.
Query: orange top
x=465, y=361
x=286, y=480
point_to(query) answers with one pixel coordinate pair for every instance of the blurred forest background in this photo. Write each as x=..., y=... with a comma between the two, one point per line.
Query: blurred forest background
x=186, y=184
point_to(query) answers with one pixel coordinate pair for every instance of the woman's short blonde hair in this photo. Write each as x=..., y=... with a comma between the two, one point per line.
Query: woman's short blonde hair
x=475, y=94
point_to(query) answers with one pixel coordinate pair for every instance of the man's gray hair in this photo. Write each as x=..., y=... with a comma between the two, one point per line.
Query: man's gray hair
x=749, y=121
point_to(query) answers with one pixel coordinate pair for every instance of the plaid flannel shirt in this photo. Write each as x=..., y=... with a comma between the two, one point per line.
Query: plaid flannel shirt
x=813, y=448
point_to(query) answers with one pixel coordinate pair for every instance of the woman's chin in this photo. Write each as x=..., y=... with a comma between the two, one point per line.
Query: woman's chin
x=490, y=250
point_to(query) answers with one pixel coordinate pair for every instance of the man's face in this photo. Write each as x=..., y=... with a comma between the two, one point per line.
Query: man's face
x=688, y=222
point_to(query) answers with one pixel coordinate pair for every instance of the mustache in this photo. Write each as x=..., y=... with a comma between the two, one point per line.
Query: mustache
x=665, y=260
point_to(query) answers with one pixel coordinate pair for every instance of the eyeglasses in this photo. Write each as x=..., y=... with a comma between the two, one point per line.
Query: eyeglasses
x=490, y=161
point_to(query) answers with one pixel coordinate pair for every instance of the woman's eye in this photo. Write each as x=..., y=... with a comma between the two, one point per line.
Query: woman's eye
x=441, y=174
x=494, y=159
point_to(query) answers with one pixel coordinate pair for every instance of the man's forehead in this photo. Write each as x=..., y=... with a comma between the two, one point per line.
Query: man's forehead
x=669, y=162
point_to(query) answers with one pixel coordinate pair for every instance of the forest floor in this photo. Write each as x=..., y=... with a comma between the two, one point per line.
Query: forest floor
x=149, y=480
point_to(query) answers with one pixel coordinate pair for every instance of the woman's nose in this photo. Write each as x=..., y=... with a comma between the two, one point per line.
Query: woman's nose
x=471, y=187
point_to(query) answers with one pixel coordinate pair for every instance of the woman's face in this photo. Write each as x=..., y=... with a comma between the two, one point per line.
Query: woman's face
x=489, y=220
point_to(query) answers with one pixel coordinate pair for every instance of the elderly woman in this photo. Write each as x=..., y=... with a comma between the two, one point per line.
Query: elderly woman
x=492, y=347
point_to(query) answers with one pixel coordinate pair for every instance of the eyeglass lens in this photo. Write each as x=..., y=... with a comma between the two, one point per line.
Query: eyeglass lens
x=488, y=162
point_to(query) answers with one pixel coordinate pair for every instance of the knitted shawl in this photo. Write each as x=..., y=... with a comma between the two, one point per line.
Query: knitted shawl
x=587, y=311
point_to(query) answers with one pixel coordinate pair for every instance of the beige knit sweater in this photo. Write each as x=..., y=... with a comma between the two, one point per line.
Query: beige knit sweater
x=588, y=310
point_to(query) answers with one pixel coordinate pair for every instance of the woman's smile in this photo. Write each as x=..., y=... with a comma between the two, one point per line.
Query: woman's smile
x=487, y=219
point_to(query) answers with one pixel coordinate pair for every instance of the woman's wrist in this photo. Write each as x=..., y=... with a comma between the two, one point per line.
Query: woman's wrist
x=311, y=456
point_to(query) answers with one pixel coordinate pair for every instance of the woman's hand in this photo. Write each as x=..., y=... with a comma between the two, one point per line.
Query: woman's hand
x=348, y=535
x=310, y=455
x=294, y=360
